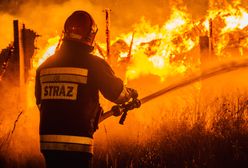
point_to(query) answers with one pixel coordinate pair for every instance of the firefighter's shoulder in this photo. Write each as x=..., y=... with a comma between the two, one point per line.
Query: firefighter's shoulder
x=50, y=60
x=99, y=63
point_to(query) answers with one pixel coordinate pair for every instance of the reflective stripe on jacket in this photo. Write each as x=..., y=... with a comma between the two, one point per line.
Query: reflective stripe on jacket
x=66, y=143
x=67, y=91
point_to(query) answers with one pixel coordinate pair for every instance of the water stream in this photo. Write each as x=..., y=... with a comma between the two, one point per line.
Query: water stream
x=204, y=74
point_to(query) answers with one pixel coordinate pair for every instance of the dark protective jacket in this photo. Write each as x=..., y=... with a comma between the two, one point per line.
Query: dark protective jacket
x=66, y=90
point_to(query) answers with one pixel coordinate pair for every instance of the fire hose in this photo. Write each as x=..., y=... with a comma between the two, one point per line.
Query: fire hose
x=136, y=103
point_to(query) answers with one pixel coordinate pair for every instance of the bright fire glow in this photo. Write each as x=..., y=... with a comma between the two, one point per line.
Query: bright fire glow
x=47, y=51
x=166, y=50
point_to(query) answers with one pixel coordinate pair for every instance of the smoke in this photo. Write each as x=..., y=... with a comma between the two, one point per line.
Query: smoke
x=6, y=33
x=47, y=17
x=197, y=8
x=13, y=6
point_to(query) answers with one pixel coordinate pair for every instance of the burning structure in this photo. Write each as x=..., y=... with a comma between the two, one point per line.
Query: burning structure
x=180, y=45
x=168, y=49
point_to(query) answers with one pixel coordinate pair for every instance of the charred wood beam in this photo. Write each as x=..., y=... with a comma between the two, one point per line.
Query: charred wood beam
x=5, y=56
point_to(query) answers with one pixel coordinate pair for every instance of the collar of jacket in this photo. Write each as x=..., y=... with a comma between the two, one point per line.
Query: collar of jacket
x=75, y=46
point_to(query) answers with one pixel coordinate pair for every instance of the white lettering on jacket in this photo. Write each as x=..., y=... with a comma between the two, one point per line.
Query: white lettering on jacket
x=67, y=91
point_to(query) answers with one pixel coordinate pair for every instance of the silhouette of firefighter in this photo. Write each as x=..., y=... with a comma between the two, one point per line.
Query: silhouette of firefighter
x=67, y=94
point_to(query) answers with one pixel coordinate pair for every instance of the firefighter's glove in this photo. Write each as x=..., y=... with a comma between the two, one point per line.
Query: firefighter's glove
x=117, y=111
x=133, y=93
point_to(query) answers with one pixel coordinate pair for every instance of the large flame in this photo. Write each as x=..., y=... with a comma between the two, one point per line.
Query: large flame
x=167, y=50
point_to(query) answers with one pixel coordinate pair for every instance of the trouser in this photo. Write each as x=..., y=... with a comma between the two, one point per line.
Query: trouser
x=67, y=159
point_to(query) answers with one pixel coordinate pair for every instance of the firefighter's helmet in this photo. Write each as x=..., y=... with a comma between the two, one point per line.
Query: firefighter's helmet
x=81, y=27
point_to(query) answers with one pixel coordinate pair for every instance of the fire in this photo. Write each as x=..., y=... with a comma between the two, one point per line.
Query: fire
x=178, y=20
x=154, y=46
x=230, y=24
x=238, y=21
x=47, y=51
x=165, y=50
x=234, y=17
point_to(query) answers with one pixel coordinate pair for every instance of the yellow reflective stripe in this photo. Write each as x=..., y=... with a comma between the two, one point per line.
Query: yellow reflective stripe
x=66, y=139
x=64, y=70
x=63, y=78
x=66, y=147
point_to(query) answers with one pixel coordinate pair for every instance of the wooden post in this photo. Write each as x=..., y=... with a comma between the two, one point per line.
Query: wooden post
x=207, y=58
x=207, y=47
x=211, y=47
x=204, y=50
x=28, y=44
x=19, y=62
x=16, y=55
x=107, y=17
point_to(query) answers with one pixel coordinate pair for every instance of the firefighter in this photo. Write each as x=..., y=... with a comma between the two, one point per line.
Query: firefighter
x=67, y=94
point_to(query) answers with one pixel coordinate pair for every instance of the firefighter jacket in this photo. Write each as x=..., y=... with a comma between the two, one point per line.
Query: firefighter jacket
x=66, y=90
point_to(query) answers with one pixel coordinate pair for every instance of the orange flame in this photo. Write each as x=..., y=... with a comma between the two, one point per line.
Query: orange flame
x=163, y=50
x=47, y=51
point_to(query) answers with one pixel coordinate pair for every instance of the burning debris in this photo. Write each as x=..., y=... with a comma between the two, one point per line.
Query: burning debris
x=22, y=49
x=166, y=50
x=5, y=56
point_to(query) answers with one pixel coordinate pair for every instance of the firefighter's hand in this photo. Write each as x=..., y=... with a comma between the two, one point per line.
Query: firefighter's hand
x=133, y=93
x=117, y=111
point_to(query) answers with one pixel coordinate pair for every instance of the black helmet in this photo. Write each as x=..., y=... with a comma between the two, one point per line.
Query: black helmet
x=81, y=27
